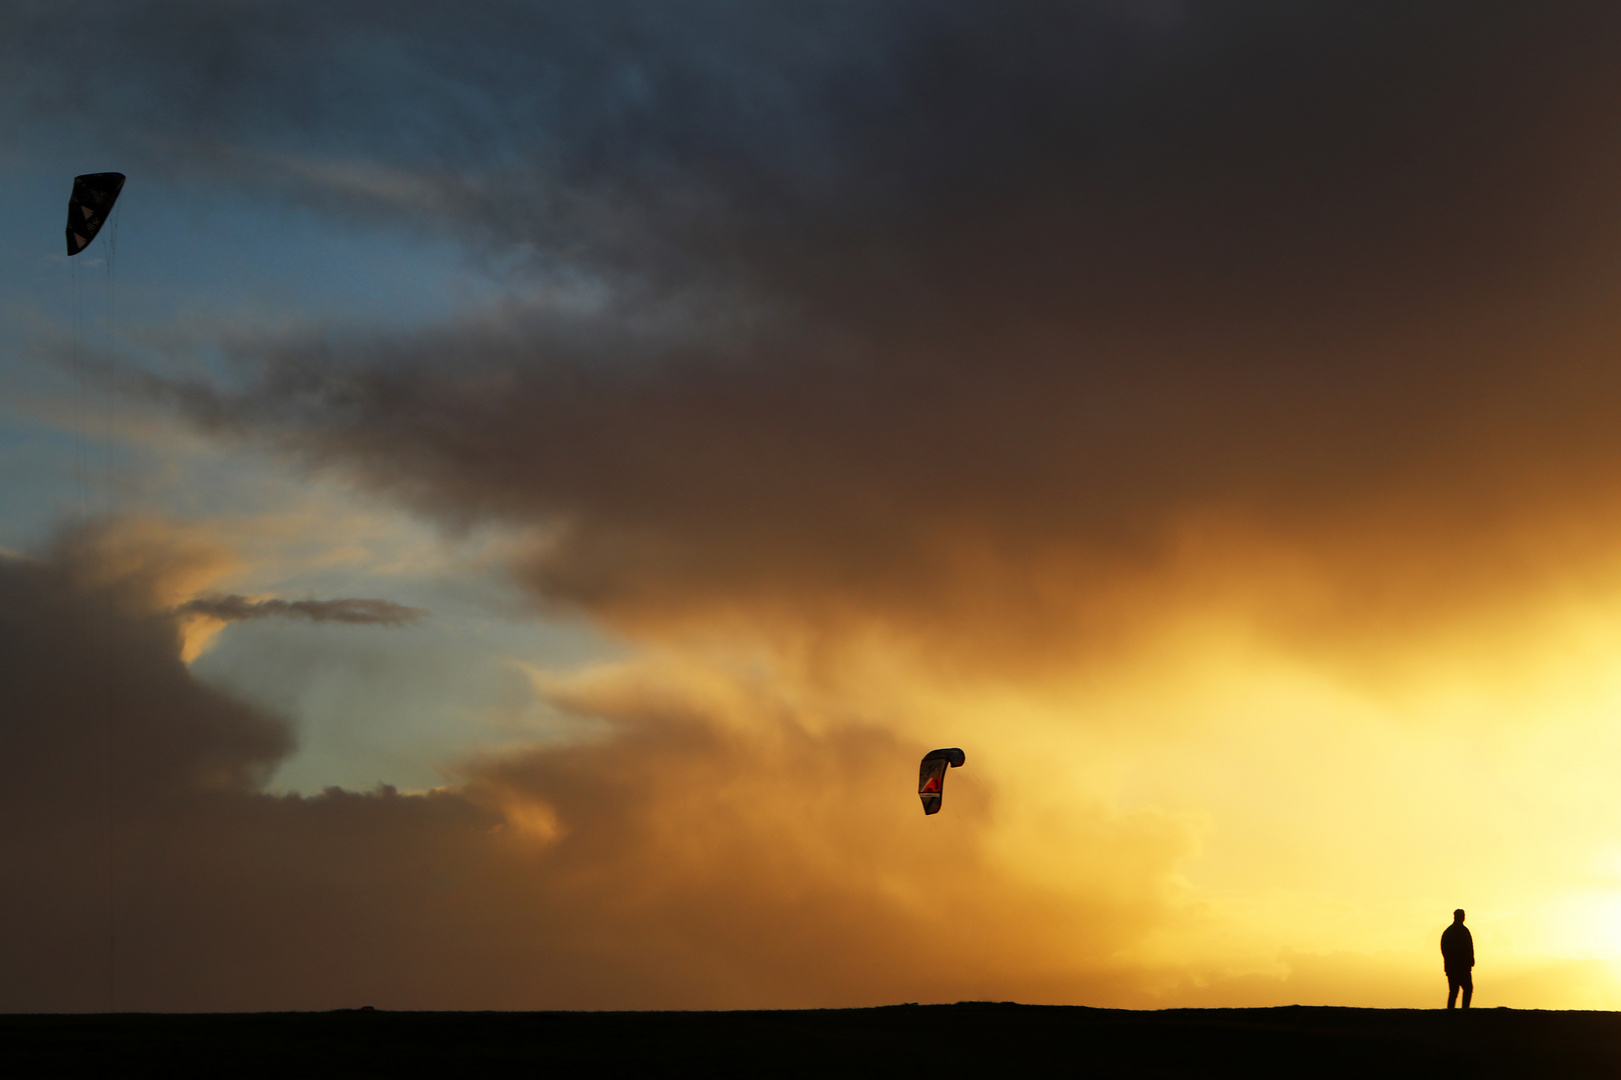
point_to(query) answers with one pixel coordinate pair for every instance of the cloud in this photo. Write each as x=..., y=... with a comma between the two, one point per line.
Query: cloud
x=355, y=610
x=90, y=664
x=709, y=848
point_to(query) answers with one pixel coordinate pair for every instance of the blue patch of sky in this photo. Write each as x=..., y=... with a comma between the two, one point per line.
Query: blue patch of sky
x=370, y=704
x=190, y=262
x=402, y=706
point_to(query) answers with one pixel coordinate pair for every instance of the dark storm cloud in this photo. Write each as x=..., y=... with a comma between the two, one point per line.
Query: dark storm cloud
x=1180, y=142
x=357, y=610
x=64, y=681
x=922, y=307
x=680, y=861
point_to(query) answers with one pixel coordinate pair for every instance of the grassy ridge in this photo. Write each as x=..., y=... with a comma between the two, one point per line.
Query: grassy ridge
x=967, y=1039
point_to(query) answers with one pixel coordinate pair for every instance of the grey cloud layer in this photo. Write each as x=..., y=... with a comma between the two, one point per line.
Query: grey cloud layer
x=356, y=610
x=1180, y=142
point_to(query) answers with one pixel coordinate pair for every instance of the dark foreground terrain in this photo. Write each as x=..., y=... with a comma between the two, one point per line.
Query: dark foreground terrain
x=967, y=1039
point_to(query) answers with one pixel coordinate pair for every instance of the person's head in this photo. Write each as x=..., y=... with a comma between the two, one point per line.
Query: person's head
x=1457, y=916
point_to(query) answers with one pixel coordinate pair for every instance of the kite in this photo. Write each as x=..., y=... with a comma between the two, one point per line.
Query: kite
x=931, y=776
x=91, y=202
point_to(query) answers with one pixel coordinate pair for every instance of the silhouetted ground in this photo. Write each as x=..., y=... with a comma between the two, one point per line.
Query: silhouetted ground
x=967, y=1039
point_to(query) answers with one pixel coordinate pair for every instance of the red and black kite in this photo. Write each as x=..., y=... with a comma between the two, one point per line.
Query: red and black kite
x=931, y=776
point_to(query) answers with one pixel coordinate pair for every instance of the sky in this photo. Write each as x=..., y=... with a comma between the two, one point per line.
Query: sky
x=498, y=515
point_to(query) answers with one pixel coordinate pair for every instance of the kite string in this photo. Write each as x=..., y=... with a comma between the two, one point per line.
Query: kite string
x=76, y=360
x=106, y=638
x=95, y=635
x=108, y=733
x=109, y=341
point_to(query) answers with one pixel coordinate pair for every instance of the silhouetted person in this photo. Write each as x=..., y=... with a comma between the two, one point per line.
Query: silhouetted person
x=1458, y=957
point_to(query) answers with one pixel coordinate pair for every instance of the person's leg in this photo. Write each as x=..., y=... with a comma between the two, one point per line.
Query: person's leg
x=1468, y=988
x=1452, y=991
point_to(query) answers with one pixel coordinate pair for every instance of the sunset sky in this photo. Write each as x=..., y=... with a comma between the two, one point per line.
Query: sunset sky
x=1205, y=414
